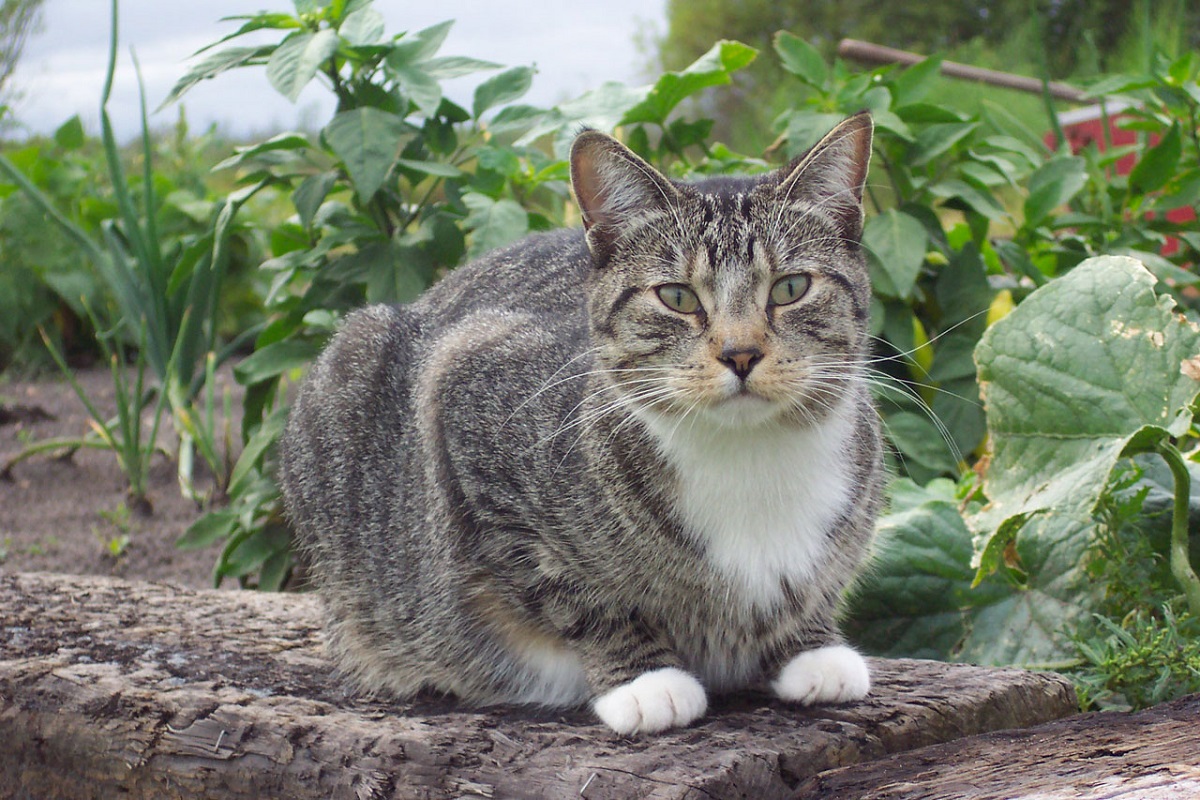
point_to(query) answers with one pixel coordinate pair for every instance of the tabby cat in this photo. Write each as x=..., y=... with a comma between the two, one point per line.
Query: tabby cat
x=624, y=466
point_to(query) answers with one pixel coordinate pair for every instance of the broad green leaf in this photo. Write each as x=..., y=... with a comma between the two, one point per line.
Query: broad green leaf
x=209, y=529
x=711, y=69
x=275, y=359
x=311, y=193
x=436, y=168
x=501, y=89
x=214, y=65
x=601, y=108
x=963, y=192
x=1086, y=367
x=420, y=87
x=419, y=46
x=912, y=84
x=367, y=141
x=282, y=141
x=364, y=26
x=935, y=140
x=1028, y=625
x=493, y=223
x=1159, y=164
x=896, y=243
x=69, y=135
x=1052, y=185
x=456, y=67
x=921, y=444
x=264, y=438
x=296, y=61
x=915, y=599
x=801, y=59
x=806, y=128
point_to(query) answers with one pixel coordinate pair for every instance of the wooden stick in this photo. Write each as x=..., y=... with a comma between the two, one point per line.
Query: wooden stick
x=878, y=54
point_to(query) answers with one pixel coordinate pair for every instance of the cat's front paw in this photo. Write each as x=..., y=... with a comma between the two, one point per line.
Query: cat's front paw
x=834, y=674
x=655, y=701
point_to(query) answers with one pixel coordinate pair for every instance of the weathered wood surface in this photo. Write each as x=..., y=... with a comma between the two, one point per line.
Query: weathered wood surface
x=1149, y=755
x=114, y=688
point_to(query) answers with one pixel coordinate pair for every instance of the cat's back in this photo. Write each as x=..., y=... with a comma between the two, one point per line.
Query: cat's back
x=541, y=275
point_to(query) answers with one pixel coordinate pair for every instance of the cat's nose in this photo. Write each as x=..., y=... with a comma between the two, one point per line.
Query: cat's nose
x=740, y=360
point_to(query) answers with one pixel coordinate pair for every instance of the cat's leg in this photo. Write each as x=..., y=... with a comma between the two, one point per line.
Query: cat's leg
x=835, y=673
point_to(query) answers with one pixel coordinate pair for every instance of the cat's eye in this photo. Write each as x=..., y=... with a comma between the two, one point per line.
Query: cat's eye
x=678, y=297
x=789, y=289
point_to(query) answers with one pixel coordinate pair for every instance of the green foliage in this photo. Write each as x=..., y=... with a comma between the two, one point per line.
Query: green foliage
x=1089, y=371
x=164, y=290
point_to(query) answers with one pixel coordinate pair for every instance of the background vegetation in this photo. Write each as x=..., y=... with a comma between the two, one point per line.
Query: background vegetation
x=1041, y=509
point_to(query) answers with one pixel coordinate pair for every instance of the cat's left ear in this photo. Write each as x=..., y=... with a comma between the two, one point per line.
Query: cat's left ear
x=832, y=174
x=614, y=186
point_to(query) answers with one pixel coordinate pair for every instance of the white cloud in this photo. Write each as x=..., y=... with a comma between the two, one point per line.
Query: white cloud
x=575, y=46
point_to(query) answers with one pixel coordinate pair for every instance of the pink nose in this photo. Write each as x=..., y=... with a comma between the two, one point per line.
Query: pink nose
x=741, y=361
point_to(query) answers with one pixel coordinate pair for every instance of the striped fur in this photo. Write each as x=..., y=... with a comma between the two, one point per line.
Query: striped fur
x=540, y=483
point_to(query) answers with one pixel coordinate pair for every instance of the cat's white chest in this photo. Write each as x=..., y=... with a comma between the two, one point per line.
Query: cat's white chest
x=759, y=499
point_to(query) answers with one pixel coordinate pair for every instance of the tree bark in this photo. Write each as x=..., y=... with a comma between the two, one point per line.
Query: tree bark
x=117, y=688
x=1150, y=755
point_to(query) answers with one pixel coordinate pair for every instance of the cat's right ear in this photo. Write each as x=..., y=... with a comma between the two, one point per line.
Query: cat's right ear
x=614, y=186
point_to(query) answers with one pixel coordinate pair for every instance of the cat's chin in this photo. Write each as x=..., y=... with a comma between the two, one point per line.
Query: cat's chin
x=742, y=411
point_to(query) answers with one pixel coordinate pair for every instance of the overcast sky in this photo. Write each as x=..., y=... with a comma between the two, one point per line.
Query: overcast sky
x=575, y=47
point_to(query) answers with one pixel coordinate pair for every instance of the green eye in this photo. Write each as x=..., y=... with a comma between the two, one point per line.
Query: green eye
x=678, y=297
x=789, y=289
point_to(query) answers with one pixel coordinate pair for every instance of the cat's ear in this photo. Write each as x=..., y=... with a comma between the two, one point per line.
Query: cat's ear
x=613, y=185
x=832, y=174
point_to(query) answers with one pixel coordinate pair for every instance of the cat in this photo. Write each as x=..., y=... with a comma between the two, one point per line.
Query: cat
x=625, y=466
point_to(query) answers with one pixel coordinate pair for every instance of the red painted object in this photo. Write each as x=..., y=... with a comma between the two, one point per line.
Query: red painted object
x=1084, y=126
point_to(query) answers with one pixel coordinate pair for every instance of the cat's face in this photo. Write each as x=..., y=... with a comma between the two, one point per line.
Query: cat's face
x=740, y=300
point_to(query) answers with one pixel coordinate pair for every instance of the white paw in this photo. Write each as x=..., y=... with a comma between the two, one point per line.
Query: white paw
x=833, y=674
x=655, y=701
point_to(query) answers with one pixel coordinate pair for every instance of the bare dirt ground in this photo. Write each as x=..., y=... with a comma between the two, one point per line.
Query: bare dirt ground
x=70, y=513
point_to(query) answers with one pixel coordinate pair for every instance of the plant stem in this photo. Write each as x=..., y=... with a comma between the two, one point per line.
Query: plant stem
x=1181, y=565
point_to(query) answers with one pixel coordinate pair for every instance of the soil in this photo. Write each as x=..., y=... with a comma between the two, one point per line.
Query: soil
x=69, y=512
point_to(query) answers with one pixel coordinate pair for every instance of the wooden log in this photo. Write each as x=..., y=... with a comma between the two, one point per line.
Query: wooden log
x=1148, y=755
x=116, y=688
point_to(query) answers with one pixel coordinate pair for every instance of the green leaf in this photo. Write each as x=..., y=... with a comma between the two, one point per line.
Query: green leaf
x=896, y=244
x=214, y=65
x=365, y=26
x=367, y=141
x=806, y=128
x=963, y=192
x=275, y=359
x=311, y=193
x=501, y=89
x=1085, y=367
x=421, y=87
x=296, y=61
x=801, y=59
x=435, y=168
x=419, y=46
x=912, y=84
x=251, y=456
x=493, y=223
x=935, y=140
x=209, y=529
x=456, y=67
x=1029, y=625
x=1159, y=164
x=1053, y=184
x=69, y=135
x=711, y=69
